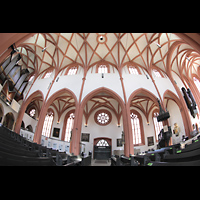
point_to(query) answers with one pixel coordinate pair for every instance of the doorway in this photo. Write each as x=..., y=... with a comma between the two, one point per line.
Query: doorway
x=9, y=120
x=102, y=148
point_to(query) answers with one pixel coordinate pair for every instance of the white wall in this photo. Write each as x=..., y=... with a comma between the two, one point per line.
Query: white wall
x=133, y=82
x=164, y=84
x=111, y=131
x=95, y=80
x=29, y=121
x=112, y=81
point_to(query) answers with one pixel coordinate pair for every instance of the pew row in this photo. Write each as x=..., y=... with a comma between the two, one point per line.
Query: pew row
x=15, y=150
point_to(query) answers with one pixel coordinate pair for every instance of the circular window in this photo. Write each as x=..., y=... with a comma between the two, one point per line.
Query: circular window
x=103, y=117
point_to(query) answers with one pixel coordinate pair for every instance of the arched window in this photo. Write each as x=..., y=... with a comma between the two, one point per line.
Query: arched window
x=102, y=69
x=137, y=128
x=103, y=117
x=157, y=73
x=46, y=131
x=71, y=71
x=157, y=125
x=31, y=78
x=69, y=127
x=32, y=112
x=102, y=143
x=47, y=74
x=133, y=70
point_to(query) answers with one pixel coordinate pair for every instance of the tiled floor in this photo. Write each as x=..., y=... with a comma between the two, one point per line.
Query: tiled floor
x=100, y=162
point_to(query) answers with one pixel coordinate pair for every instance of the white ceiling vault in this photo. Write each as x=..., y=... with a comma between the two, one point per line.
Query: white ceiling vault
x=58, y=50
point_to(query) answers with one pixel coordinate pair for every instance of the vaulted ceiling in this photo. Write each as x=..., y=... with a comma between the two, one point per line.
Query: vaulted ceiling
x=58, y=50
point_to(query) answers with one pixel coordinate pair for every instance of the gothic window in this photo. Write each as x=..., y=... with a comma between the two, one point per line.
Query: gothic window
x=157, y=73
x=47, y=74
x=103, y=117
x=133, y=70
x=102, y=69
x=136, y=129
x=157, y=125
x=69, y=127
x=102, y=143
x=31, y=78
x=72, y=71
x=32, y=112
x=46, y=131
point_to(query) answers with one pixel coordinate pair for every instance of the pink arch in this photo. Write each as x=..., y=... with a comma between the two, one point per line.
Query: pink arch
x=99, y=90
x=23, y=109
x=177, y=101
x=145, y=92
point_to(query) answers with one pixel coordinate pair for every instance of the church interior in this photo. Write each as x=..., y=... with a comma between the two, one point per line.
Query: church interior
x=100, y=99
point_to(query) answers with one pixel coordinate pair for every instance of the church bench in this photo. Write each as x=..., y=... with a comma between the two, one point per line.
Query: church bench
x=86, y=160
x=128, y=161
x=115, y=161
x=189, y=163
x=142, y=159
x=18, y=151
x=157, y=155
x=59, y=157
x=7, y=159
x=11, y=143
x=123, y=161
x=182, y=157
x=195, y=145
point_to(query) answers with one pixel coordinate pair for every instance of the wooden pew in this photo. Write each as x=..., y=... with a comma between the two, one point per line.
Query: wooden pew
x=115, y=161
x=195, y=145
x=142, y=159
x=182, y=157
x=123, y=161
x=7, y=159
x=86, y=160
x=189, y=163
x=128, y=161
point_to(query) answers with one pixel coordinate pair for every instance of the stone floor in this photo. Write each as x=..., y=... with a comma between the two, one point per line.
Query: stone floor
x=100, y=162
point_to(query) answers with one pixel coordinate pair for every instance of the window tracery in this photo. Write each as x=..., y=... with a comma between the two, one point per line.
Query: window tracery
x=72, y=70
x=157, y=73
x=47, y=74
x=69, y=127
x=32, y=112
x=133, y=70
x=102, y=69
x=46, y=130
x=135, y=122
x=103, y=117
x=103, y=143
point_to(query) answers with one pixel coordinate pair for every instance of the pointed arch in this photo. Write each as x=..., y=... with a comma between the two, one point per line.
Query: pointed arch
x=36, y=94
x=128, y=148
x=174, y=98
x=58, y=93
x=99, y=90
x=145, y=92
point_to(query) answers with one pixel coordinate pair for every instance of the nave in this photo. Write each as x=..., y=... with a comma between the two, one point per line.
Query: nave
x=115, y=95
x=16, y=150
